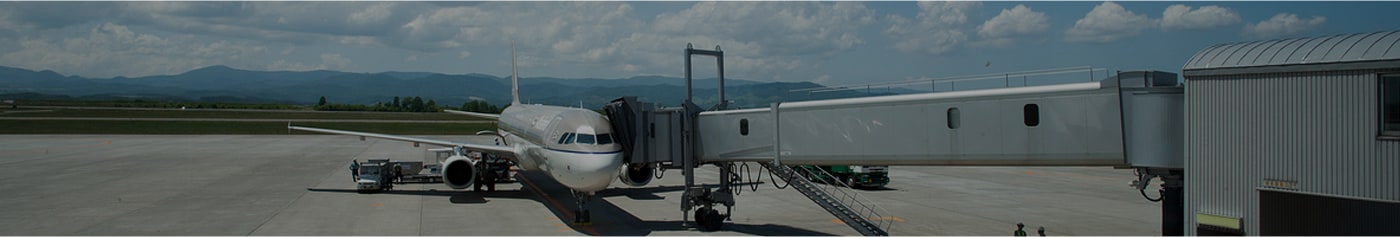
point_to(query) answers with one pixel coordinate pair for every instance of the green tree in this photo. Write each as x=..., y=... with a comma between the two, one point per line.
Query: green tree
x=395, y=103
x=468, y=106
x=480, y=106
x=323, y=101
x=431, y=106
x=416, y=105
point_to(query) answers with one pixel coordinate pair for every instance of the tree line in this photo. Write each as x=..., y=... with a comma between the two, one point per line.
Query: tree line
x=408, y=104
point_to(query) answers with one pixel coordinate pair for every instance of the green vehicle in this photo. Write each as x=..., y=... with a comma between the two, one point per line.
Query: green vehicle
x=855, y=176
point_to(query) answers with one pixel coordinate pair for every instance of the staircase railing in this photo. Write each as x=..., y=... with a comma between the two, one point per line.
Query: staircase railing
x=837, y=198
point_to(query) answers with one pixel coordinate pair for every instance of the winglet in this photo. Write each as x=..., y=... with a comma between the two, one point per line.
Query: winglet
x=514, y=80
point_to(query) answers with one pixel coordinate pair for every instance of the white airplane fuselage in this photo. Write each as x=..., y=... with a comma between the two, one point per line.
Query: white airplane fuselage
x=574, y=146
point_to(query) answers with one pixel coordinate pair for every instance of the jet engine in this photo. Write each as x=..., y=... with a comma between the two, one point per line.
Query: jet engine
x=636, y=175
x=459, y=172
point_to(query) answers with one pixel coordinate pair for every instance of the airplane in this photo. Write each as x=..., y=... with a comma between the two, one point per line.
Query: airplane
x=573, y=146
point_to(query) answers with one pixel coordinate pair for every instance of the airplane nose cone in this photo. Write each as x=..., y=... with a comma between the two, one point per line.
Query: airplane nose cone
x=590, y=173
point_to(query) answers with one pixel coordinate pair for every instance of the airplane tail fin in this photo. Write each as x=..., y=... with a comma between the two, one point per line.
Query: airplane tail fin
x=514, y=80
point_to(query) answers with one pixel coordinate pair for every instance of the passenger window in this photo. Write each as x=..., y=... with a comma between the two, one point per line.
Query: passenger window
x=744, y=127
x=585, y=139
x=1390, y=105
x=569, y=139
x=954, y=119
x=1032, y=115
x=604, y=139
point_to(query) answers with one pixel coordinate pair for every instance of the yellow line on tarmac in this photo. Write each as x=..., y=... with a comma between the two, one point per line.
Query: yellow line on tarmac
x=556, y=204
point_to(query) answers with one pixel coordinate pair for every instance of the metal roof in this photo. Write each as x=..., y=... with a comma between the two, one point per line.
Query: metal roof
x=1374, y=46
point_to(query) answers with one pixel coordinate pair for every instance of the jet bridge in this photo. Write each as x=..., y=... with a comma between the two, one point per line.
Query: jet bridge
x=1079, y=124
x=1129, y=120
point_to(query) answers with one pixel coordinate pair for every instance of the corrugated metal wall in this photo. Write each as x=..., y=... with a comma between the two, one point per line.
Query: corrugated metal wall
x=1316, y=128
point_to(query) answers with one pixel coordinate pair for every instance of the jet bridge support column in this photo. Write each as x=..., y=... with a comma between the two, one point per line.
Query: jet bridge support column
x=719, y=60
x=706, y=216
x=1173, y=207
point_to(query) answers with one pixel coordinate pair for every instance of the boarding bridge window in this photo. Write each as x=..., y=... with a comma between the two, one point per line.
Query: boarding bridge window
x=744, y=127
x=585, y=139
x=1390, y=105
x=604, y=139
x=954, y=118
x=1031, y=113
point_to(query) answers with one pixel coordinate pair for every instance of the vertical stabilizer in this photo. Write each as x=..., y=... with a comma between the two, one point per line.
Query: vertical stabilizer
x=514, y=80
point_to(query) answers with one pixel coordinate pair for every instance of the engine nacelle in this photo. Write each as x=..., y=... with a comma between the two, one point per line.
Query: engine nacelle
x=636, y=175
x=459, y=172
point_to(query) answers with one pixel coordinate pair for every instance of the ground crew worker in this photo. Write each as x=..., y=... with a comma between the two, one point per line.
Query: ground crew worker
x=398, y=173
x=1019, y=230
x=354, y=170
x=1041, y=231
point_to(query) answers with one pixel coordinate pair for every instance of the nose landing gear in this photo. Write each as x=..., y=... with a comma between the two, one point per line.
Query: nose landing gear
x=581, y=215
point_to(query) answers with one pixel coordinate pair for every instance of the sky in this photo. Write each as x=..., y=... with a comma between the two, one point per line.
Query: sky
x=823, y=42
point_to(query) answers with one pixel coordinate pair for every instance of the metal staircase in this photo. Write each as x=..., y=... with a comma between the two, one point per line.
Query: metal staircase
x=836, y=198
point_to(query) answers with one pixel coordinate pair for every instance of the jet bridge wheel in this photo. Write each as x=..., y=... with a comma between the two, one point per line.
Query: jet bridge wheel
x=708, y=219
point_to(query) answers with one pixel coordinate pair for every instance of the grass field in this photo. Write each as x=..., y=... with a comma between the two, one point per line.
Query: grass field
x=224, y=127
x=241, y=114
x=231, y=127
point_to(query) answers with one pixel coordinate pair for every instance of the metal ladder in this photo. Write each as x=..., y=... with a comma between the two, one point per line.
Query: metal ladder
x=838, y=199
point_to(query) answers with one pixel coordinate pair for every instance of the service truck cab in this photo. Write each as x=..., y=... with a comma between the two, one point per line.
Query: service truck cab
x=374, y=177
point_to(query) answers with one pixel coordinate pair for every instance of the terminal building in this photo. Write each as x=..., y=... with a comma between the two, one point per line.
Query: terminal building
x=1294, y=137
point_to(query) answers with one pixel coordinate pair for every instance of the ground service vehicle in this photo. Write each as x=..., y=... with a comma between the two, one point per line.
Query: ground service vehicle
x=855, y=176
x=375, y=175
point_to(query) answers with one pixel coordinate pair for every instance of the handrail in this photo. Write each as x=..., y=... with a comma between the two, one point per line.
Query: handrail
x=953, y=79
x=866, y=216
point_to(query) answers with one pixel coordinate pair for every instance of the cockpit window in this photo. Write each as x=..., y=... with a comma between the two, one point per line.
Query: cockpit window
x=562, y=137
x=568, y=138
x=604, y=139
x=585, y=138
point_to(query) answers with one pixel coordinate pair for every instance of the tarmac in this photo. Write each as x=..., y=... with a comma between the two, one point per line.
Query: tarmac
x=301, y=185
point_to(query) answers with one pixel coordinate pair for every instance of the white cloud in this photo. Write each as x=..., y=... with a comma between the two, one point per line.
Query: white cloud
x=284, y=65
x=115, y=50
x=658, y=54
x=334, y=61
x=378, y=12
x=329, y=61
x=936, y=29
x=1282, y=24
x=823, y=79
x=761, y=40
x=1182, y=17
x=784, y=28
x=572, y=31
x=1108, y=22
x=1014, y=22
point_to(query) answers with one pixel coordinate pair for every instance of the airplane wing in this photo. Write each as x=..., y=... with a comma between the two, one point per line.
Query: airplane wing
x=499, y=151
x=474, y=114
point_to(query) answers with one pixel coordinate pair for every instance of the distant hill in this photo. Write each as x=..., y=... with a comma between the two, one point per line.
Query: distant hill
x=220, y=83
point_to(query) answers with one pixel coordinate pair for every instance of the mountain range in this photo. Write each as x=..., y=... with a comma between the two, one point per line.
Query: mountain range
x=225, y=84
